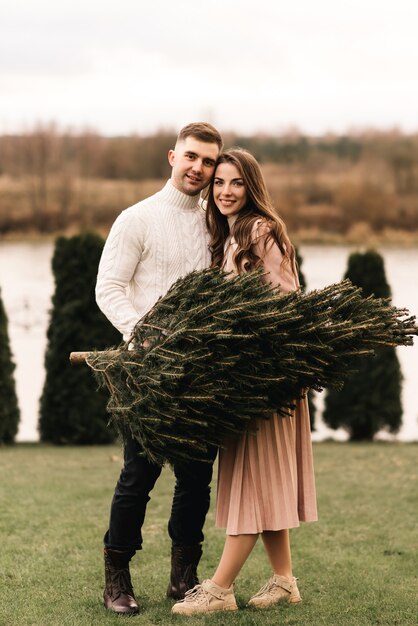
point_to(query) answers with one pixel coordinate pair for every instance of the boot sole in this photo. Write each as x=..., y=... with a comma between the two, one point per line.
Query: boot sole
x=131, y=612
x=109, y=607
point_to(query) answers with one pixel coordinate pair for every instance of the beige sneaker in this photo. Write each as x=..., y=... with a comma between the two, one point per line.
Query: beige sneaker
x=277, y=589
x=206, y=598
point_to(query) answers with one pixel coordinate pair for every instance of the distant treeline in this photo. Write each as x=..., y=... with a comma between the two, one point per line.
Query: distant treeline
x=52, y=180
x=136, y=157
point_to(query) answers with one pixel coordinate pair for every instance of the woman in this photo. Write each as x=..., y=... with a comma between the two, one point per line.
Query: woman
x=266, y=480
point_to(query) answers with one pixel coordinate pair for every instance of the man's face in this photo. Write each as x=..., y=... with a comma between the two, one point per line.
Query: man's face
x=193, y=164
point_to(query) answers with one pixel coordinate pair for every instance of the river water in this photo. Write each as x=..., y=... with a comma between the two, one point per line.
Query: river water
x=27, y=285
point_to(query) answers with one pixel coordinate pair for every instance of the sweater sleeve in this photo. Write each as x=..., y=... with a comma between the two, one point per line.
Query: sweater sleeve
x=121, y=254
x=277, y=273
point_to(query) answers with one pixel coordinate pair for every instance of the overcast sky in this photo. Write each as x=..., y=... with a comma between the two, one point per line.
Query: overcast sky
x=245, y=65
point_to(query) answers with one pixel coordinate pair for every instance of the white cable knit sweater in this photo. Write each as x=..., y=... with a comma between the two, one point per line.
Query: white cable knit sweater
x=150, y=246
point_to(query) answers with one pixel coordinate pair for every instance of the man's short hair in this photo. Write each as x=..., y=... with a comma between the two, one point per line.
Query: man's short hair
x=202, y=131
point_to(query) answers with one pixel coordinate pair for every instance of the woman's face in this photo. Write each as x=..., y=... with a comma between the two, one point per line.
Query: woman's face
x=229, y=190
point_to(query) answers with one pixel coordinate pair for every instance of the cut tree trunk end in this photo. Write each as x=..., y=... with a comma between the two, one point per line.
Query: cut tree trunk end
x=76, y=358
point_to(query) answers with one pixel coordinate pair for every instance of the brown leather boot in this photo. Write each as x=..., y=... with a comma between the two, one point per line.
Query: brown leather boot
x=118, y=595
x=184, y=562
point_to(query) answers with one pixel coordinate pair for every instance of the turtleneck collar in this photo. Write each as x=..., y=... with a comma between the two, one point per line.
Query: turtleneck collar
x=177, y=198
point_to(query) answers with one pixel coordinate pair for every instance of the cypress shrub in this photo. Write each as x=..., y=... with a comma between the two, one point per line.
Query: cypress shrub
x=311, y=395
x=371, y=399
x=9, y=409
x=72, y=409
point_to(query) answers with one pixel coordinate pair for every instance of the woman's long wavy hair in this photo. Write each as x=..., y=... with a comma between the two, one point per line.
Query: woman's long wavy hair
x=258, y=206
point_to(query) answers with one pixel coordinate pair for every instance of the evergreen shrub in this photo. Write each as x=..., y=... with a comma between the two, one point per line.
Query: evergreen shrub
x=72, y=409
x=371, y=398
x=9, y=409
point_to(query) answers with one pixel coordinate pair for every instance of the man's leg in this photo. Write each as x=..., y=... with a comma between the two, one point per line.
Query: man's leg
x=124, y=536
x=190, y=504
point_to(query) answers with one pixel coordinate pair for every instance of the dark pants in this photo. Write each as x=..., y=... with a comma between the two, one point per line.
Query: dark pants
x=190, y=501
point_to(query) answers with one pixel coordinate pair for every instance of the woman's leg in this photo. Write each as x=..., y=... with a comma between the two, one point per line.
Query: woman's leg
x=282, y=586
x=277, y=546
x=236, y=550
x=217, y=594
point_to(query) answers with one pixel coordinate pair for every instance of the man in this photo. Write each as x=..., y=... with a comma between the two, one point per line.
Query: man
x=149, y=247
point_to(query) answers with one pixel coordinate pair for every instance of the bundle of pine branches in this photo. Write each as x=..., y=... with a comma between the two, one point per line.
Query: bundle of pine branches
x=213, y=354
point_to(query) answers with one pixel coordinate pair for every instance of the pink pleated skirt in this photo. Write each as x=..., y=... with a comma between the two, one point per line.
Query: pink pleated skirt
x=266, y=480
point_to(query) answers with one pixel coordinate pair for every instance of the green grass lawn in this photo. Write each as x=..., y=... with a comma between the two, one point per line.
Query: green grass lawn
x=357, y=566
